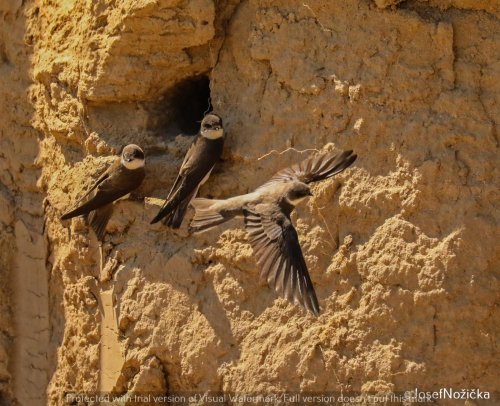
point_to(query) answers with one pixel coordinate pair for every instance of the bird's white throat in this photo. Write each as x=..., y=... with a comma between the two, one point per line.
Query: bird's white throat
x=212, y=134
x=296, y=201
x=133, y=164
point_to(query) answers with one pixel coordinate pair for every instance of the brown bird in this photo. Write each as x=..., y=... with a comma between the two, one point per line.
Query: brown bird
x=123, y=176
x=266, y=213
x=195, y=170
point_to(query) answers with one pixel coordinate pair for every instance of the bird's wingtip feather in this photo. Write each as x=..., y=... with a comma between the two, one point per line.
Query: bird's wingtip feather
x=66, y=216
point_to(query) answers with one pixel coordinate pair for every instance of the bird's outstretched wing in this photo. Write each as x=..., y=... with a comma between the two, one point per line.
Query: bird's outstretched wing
x=117, y=183
x=315, y=168
x=279, y=256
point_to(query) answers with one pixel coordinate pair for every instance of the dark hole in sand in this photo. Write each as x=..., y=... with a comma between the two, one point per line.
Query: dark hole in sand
x=189, y=101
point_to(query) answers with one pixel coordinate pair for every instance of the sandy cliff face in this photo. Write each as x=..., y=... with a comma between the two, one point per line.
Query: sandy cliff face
x=402, y=247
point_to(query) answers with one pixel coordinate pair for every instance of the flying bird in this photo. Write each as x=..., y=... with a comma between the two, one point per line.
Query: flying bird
x=123, y=176
x=266, y=212
x=195, y=170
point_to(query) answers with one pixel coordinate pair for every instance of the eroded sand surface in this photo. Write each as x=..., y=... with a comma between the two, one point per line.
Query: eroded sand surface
x=402, y=247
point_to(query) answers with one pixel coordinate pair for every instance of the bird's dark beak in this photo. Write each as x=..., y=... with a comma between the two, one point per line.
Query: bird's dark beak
x=310, y=193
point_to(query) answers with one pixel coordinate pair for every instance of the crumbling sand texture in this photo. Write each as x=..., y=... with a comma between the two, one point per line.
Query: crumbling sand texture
x=402, y=247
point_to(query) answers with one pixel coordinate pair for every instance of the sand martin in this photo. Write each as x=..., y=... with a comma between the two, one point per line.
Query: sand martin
x=123, y=176
x=266, y=213
x=195, y=170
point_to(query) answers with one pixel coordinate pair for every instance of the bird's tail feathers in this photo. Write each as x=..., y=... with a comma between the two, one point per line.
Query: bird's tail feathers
x=174, y=217
x=83, y=209
x=205, y=215
x=98, y=220
x=166, y=210
x=174, y=210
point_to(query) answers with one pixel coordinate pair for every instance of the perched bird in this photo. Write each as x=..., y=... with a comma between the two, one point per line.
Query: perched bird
x=122, y=177
x=195, y=170
x=266, y=213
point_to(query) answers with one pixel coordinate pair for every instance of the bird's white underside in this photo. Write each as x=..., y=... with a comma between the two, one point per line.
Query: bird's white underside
x=201, y=183
x=206, y=177
x=123, y=197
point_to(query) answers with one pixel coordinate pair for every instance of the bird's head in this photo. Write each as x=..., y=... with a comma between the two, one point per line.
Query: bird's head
x=298, y=192
x=211, y=127
x=133, y=157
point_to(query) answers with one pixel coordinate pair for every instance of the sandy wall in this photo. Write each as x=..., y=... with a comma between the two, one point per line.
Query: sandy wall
x=402, y=247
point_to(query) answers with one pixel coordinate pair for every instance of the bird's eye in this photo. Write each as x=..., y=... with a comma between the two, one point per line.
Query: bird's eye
x=138, y=154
